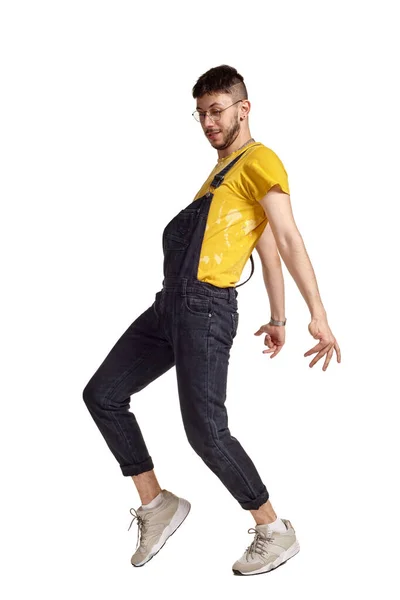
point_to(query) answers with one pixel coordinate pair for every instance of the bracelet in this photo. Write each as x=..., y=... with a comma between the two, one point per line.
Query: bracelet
x=273, y=322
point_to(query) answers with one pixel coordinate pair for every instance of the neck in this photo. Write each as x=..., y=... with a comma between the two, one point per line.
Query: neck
x=243, y=137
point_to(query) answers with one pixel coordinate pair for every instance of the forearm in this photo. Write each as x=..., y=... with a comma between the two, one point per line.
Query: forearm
x=274, y=284
x=296, y=259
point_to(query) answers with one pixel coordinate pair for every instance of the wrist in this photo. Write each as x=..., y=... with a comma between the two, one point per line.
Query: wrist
x=319, y=316
x=278, y=322
x=277, y=316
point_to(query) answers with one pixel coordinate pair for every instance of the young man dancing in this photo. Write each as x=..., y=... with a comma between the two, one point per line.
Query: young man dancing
x=243, y=204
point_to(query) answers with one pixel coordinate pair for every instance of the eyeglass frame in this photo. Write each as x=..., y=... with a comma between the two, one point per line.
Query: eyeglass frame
x=204, y=113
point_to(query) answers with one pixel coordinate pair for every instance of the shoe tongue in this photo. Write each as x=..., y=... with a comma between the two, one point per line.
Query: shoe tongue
x=263, y=528
x=141, y=511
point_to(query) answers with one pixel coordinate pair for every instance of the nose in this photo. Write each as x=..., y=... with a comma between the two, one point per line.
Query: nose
x=208, y=122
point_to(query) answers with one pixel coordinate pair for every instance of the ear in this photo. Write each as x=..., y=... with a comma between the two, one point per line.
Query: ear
x=245, y=108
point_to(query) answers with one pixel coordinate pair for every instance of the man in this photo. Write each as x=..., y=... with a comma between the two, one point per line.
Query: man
x=243, y=204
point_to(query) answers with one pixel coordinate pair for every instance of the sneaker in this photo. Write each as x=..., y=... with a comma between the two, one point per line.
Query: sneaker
x=156, y=525
x=268, y=550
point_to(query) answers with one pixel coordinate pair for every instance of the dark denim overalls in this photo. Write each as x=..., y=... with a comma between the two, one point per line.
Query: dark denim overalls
x=191, y=325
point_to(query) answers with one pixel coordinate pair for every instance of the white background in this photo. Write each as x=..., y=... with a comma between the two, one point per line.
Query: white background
x=98, y=151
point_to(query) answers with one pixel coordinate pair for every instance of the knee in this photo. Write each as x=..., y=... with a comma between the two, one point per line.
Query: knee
x=97, y=395
x=91, y=395
x=201, y=440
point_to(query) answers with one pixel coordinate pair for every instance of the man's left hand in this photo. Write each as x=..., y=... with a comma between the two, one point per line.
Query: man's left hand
x=320, y=329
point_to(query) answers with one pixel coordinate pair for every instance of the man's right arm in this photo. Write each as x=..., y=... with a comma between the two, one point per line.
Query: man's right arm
x=272, y=273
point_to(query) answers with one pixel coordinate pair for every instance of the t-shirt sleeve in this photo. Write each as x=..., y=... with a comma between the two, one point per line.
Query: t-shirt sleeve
x=262, y=171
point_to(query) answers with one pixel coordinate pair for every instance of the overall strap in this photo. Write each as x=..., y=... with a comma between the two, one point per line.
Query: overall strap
x=219, y=177
x=252, y=271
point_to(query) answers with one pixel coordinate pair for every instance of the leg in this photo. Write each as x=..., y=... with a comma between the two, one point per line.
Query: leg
x=140, y=356
x=265, y=514
x=202, y=356
x=147, y=486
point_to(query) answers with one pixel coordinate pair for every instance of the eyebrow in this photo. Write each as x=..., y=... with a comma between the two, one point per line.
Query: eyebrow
x=213, y=104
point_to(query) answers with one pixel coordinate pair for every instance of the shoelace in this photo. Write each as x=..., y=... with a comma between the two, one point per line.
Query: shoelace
x=141, y=522
x=259, y=544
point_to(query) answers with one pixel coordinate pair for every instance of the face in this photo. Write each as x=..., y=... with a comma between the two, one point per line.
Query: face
x=223, y=132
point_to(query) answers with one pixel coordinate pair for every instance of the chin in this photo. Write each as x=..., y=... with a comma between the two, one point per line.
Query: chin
x=216, y=144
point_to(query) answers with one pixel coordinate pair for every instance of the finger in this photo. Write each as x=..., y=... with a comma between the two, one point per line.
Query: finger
x=319, y=355
x=268, y=342
x=260, y=330
x=328, y=359
x=338, y=353
x=270, y=350
x=313, y=350
x=279, y=348
x=310, y=352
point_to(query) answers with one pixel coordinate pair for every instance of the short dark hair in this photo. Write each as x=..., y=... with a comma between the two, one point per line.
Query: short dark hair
x=223, y=80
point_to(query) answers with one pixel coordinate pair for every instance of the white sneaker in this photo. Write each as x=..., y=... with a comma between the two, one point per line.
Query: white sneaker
x=268, y=550
x=156, y=525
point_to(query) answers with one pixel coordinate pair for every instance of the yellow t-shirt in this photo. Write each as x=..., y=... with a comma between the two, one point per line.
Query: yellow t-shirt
x=236, y=218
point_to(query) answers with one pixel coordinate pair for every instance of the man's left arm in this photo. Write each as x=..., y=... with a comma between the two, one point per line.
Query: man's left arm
x=277, y=207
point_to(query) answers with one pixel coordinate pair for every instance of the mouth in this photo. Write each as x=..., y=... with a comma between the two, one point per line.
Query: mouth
x=213, y=134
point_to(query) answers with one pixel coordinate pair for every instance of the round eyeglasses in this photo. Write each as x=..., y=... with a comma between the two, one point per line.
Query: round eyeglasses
x=214, y=114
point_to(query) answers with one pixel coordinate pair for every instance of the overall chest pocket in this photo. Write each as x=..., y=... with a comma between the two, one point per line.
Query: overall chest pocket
x=178, y=232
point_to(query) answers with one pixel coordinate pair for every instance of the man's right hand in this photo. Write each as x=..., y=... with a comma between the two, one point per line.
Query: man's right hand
x=274, y=339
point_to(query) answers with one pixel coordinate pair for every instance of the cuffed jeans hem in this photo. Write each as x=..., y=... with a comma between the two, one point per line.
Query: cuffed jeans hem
x=256, y=503
x=146, y=465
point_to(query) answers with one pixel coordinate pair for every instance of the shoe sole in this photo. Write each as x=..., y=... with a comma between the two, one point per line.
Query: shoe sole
x=280, y=560
x=180, y=515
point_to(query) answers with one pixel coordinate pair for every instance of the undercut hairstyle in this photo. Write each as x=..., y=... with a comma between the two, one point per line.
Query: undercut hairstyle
x=221, y=80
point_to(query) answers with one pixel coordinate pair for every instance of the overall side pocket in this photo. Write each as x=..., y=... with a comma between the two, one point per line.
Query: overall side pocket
x=197, y=305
